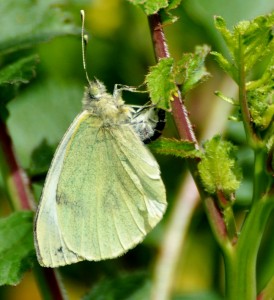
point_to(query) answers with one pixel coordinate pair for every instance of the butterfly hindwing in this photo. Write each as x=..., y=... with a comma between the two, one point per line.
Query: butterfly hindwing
x=116, y=195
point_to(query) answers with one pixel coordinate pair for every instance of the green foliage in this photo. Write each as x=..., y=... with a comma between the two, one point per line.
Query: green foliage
x=218, y=169
x=40, y=159
x=48, y=21
x=183, y=149
x=12, y=76
x=190, y=70
x=249, y=42
x=16, y=247
x=150, y=6
x=161, y=83
x=260, y=95
x=163, y=7
x=162, y=80
x=225, y=98
x=19, y=72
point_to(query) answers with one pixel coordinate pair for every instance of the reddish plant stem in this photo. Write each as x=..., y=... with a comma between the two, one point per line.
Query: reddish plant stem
x=18, y=178
x=53, y=282
x=18, y=190
x=185, y=128
x=179, y=111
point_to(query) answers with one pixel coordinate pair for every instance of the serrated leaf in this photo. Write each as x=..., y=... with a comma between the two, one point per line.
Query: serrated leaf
x=249, y=42
x=161, y=83
x=27, y=23
x=226, y=34
x=260, y=96
x=166, y=16
x=218, y=169
x=228, y=67
x=20, y=71
x=183, y=149
x=127, y=287
x=16, y=246
x=174, y=4
x=190, y=70
x=150, y=7
x=256, y=39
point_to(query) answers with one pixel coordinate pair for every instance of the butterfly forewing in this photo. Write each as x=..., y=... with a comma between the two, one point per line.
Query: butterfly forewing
x=50, y=246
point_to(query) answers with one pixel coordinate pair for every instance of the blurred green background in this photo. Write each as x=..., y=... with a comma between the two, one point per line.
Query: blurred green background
x=120, y=51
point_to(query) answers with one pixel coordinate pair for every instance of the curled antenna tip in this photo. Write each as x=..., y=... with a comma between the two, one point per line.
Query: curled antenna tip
x=82, y=12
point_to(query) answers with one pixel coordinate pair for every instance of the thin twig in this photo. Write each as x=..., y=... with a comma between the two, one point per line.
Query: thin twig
x=18, y=190
x=179, y=111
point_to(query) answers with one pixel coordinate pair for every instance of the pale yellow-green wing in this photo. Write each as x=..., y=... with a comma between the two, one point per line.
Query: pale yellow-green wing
x=50, y=246
x=110, y=193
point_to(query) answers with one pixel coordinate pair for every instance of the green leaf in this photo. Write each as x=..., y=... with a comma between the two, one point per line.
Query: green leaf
x=150, y=7
x=163, y=7
x=248, y=43
x=225, y=98
x=256, y=39
x=226, y=34
x=260, y=95
x=20, y=71
x=41, y=158
x=225, y=65
x=166, y=16
x=16, y=246
x=190, y=70
x=27, y=23
x=29, y=123
x=174, y=4
x=127, y=287
x=218, y=169
x=161, y=83
x=184, y=149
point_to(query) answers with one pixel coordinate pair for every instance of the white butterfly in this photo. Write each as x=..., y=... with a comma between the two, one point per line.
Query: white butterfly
x=103, y=192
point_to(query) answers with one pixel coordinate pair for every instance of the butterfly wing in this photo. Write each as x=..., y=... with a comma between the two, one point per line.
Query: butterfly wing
x=49, y=243
x=113, y=197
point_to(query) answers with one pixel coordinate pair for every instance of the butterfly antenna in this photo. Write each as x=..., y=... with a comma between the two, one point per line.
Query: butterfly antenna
x=84, y=39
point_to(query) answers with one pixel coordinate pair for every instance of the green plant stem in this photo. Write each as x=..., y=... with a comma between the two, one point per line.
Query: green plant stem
x=260, y=179
x=240, y=260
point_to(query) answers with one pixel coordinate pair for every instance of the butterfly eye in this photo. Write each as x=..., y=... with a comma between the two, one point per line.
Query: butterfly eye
x=92, y=96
